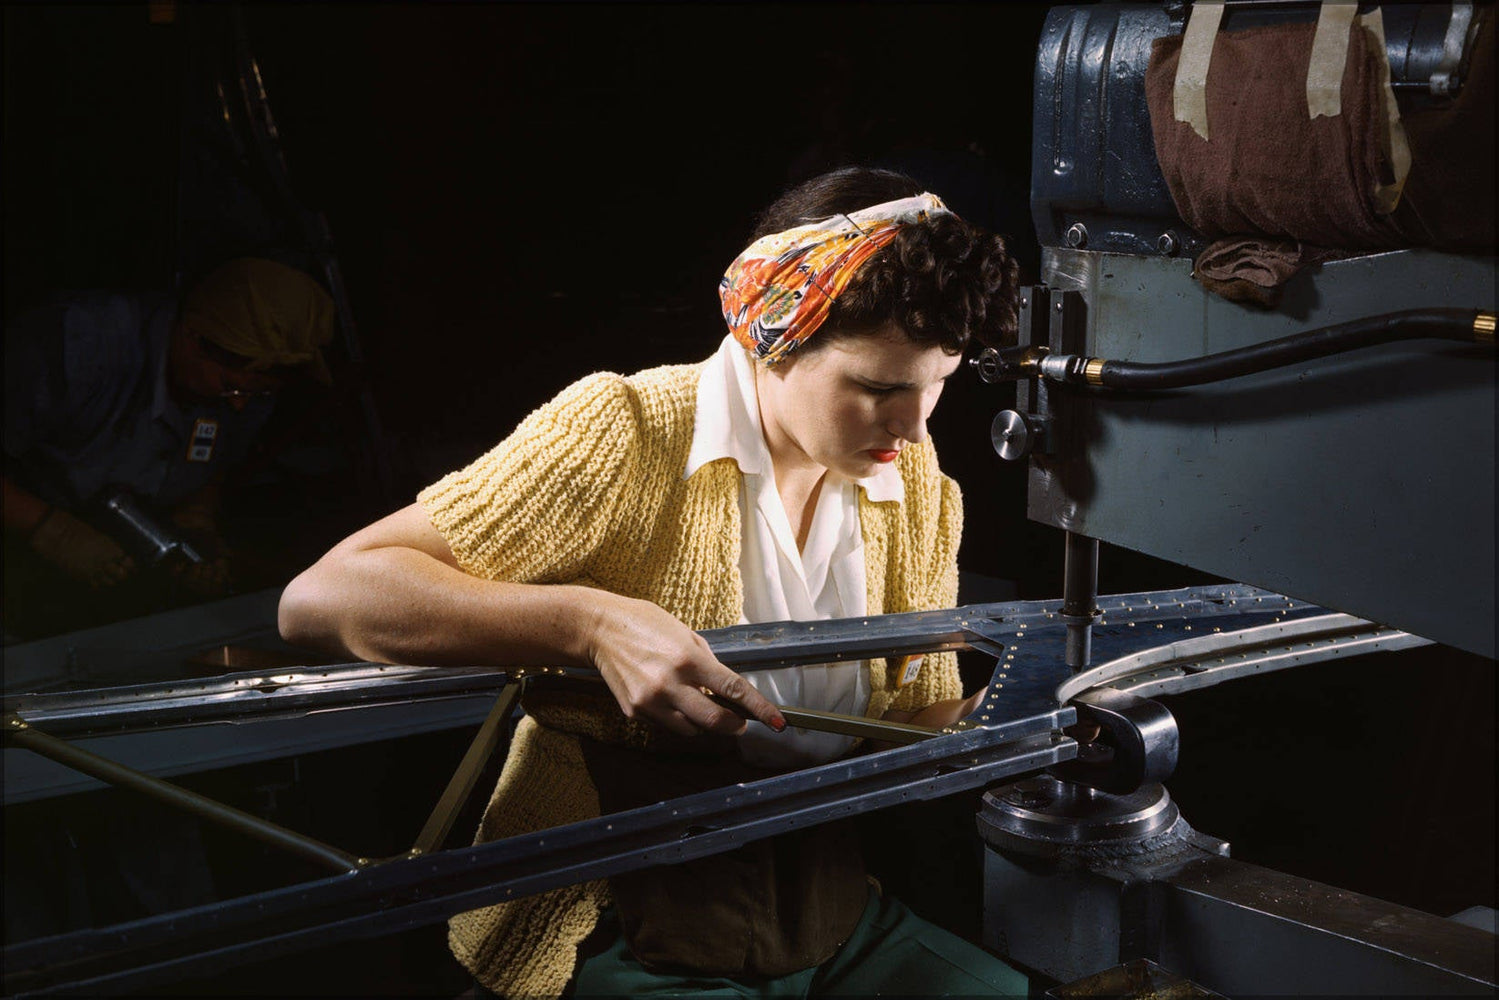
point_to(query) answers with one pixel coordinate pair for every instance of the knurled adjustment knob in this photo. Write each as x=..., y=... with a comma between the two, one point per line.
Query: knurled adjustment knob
x=1014, y=434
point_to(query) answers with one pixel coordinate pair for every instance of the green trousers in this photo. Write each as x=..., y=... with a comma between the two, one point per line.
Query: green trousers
x=892, y=952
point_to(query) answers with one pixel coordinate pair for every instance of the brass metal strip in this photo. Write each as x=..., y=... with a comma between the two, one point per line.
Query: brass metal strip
x=857, y=726
x=489, y=738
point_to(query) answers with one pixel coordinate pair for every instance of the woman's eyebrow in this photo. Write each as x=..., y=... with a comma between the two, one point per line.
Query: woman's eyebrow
x=880, y=383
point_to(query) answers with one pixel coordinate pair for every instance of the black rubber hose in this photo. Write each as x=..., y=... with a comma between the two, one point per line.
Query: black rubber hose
x=1449, y=324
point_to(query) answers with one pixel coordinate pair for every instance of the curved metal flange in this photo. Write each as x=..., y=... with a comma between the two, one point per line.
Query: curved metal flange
x=1212, y=659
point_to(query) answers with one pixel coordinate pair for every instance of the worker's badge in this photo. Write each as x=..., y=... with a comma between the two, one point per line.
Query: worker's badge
x=910, y=669
x=200, y=445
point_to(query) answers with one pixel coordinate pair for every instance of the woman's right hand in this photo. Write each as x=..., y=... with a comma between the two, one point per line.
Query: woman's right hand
x=657, y=668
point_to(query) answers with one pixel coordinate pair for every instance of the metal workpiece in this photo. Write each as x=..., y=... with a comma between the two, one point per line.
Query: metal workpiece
x=1317, y=479
x=776, y=644
x=294, y=692
x=420, y=890
x=1018, y=731
x=1190, y=664
x=181, y=726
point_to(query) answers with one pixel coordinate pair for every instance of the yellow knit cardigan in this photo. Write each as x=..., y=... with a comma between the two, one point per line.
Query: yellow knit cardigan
x=589, y=490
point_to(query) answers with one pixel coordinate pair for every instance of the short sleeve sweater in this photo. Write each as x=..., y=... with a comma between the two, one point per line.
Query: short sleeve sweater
x=589, y=490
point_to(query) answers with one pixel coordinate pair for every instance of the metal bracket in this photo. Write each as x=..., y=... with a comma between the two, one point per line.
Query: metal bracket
x=1137, y=745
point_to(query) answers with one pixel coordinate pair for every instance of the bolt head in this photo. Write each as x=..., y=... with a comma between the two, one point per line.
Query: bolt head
x=1077, y=235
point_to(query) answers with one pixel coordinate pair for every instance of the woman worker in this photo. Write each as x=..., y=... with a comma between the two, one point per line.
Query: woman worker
x=787, y=477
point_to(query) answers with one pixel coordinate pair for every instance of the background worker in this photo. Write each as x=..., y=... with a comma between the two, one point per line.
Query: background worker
x=111, y=394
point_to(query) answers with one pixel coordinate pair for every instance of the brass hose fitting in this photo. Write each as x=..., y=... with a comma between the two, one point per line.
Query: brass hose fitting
x=1483, y=328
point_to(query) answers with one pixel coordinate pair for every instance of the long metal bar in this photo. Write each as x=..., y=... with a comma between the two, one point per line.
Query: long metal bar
x=1309, y=938
x=412, y=892
x=491, y=734
x=18, y=733
x=794, y=643
x=764, y=646
x=251, y=693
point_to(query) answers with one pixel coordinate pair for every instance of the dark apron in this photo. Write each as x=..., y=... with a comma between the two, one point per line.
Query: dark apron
x=768, y=908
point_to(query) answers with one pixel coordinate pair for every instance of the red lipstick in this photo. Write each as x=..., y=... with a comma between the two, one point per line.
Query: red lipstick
x=882, y=454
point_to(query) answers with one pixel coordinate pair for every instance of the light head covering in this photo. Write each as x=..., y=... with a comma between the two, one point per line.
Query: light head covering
x=778, y=292
x=270, y=313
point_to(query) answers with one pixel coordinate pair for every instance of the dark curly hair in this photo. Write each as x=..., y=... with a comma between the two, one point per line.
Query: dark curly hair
x=942, y=281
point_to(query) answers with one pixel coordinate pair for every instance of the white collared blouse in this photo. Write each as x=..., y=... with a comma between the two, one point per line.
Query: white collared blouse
x=823, y=580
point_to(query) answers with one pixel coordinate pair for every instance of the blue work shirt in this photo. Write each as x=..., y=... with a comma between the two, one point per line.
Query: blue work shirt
x=88, y=407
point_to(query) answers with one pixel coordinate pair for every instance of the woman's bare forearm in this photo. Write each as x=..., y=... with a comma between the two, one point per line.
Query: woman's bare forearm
x=393, y=604
x=393, y=593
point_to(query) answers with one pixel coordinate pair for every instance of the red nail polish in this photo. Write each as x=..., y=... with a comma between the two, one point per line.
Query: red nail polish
x=778, y=724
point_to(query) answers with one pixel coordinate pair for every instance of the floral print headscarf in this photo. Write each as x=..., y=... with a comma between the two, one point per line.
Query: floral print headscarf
x=778, y=292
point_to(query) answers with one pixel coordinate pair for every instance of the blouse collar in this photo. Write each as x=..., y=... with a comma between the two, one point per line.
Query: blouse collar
x=727, y=425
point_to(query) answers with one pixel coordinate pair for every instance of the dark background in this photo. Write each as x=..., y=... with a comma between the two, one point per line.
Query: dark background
x=521, y=194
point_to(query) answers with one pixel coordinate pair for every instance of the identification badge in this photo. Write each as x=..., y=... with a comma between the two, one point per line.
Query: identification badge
x=200, y=445
x=910, y=669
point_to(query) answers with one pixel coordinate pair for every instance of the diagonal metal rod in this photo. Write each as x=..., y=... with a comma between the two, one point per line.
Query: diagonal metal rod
x=491, y=734
x=19, y=734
